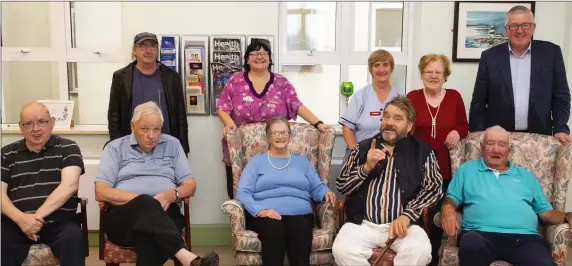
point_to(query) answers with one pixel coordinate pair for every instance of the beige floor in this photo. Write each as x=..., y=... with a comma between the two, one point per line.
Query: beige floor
x=225, y=253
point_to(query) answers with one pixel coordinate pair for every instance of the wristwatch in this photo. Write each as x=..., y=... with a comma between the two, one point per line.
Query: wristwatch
x=566, y=217
x=176, y=193
x=318, y=123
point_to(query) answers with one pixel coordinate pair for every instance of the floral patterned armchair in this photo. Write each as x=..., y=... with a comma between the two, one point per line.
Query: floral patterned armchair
x=249, y=140
x=548, y=160
x=41, y=254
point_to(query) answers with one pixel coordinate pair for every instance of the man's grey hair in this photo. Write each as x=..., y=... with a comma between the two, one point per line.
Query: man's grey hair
x=518, y=9
x=145, y=109
x=494, y=129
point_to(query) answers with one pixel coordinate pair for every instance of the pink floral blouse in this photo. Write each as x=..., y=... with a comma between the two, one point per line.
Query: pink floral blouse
x=245, y=105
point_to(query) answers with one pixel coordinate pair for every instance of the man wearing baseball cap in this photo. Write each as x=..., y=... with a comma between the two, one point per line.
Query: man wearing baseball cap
x=146, y=79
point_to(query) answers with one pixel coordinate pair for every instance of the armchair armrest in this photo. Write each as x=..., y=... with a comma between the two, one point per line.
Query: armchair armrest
x=187, y=222
x=235, y=210
x=327, y=216
x=559, y=237
x=437, y=221
x=101, y=231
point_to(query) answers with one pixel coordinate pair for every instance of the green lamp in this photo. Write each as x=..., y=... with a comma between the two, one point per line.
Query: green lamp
x=347, y=89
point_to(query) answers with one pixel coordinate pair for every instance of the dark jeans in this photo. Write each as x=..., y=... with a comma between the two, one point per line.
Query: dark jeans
x=435, y=232
x=229, y=189
x=143, y=224
x=291, y=235
x=478, y=248
x=65, y=239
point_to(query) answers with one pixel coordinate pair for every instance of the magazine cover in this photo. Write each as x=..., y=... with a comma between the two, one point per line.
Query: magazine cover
x=226, y=60
x=194, y=79
x=168, y=54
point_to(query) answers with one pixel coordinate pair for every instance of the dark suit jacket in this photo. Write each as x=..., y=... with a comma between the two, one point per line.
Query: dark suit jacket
x=120, y=104
x=549, y=100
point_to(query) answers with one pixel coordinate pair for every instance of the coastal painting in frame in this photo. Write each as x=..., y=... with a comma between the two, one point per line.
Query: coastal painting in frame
x=479, y=26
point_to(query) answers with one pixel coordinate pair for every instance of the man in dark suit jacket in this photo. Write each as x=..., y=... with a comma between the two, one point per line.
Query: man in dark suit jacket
x=143, y=80
x=521, y=85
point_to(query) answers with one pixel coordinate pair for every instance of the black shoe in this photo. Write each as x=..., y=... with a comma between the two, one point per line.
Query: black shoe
x=210, y=259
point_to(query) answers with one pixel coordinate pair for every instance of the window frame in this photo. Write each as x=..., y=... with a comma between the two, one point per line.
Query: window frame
x=345, y=54
x=61, y=51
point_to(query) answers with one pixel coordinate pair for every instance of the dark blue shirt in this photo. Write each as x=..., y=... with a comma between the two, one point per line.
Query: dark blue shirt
x=150, y=88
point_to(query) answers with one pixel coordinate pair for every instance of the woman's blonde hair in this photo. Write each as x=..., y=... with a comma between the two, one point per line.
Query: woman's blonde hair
x=380, y=56
x=428, y=58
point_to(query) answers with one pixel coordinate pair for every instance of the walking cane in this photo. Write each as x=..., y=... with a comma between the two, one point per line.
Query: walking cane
x=385, y=249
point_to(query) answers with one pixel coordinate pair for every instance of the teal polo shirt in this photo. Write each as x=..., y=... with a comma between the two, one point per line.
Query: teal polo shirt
x=506, y=202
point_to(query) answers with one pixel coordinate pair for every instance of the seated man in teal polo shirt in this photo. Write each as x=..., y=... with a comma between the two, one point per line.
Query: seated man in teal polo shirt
x=501, y=203
x=141, y=177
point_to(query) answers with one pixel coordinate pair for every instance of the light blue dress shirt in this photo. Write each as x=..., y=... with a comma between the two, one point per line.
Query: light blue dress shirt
x=520, y=74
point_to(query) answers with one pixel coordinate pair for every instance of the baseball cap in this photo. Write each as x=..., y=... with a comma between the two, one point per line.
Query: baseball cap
x=143, y=36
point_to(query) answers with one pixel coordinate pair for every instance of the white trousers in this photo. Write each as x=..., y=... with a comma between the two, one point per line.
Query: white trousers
x=354, y=244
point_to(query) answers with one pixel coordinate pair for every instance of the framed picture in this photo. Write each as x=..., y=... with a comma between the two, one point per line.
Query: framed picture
x=479, y=26
x=62, y=111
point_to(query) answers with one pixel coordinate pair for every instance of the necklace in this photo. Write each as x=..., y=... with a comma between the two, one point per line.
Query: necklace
x=434, y=118
x=279, y=168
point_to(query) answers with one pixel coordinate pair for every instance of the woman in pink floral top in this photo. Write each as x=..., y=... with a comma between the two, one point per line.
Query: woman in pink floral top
x=256, y=95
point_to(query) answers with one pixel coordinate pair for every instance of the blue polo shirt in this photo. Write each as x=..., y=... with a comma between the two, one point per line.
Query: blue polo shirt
x=126, y=167
x=506, y=202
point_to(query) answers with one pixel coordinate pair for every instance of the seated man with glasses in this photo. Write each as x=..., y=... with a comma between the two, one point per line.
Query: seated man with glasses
x=40, y=179
x=277, y=189
x=501, y=204
x=521, y=84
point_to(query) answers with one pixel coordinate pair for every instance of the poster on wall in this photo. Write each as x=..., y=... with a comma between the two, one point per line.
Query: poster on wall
x=168, y=45
x=270, y=40
x=195, y=60
x=226, y=59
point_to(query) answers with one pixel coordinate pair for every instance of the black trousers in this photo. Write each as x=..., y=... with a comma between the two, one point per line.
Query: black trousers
x=64, y=237
x=143, y=224
x=229, y=189
x=435, y=232
x=291, y=235
x=478, y=248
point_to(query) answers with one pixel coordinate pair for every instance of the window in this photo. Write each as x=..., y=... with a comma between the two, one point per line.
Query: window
x=311, y=26
x=316, y=62
x=317, y=81
x=60, y=51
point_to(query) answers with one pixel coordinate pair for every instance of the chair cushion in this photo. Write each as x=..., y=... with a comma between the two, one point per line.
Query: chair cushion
x=117, y=254
x=40, y=255
x=248, y=241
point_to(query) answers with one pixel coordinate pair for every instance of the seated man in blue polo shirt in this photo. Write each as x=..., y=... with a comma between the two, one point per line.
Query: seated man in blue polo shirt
x=141, y=177
x=501, y=203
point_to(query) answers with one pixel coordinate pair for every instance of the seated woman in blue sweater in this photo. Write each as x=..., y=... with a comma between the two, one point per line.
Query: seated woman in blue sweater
x=277, y=189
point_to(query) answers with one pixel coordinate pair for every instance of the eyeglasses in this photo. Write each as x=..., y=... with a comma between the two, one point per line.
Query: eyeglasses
x=430, y=73
x=524, y=26
x=257, y=54
x=147, y=46
x=280, y=133
x=30, y=124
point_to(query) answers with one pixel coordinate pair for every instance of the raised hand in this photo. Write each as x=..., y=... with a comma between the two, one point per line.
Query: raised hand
x=374, y=155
